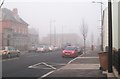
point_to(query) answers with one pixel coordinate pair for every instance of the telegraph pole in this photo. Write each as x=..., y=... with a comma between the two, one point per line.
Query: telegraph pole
x=54, y=35
x=50, y=31
x=62, y=36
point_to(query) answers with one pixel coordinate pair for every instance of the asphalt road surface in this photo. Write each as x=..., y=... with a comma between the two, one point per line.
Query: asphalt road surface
x=33, y=64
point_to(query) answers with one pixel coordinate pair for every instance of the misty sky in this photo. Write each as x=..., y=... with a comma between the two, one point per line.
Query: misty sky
x=66, y=13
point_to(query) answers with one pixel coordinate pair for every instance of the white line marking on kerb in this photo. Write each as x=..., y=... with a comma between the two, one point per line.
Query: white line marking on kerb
x=74, y=59
x=47, y=74
x=87, y=57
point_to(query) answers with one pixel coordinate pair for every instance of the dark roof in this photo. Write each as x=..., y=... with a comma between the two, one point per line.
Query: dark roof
x=7, y=14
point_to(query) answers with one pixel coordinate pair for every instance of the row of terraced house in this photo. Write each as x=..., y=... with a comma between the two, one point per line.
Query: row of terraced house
x=14, y=31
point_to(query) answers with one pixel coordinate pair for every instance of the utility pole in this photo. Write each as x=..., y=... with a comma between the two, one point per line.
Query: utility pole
x=101, y=3
x=50, y=31
x=54, y=34
x=51, y=22
x=62, y=36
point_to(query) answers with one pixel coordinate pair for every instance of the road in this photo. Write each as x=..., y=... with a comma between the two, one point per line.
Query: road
x=33, y=64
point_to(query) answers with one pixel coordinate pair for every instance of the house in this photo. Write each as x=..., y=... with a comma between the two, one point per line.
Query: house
x=13, y=29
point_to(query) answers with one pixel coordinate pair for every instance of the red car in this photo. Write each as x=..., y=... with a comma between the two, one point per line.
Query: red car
x=70, y=51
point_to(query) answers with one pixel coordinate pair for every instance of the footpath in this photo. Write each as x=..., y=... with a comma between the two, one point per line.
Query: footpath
x=85, y=66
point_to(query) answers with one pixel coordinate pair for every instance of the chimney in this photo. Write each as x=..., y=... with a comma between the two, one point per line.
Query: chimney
x=15, y=11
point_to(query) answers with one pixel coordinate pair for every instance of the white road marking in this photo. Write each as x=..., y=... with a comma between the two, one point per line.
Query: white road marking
x=74, y=59
x=49, y=65
x=87, y=57
x=47, y=74
x=32, y=66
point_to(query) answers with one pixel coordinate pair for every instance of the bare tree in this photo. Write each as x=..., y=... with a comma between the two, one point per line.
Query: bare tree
x=92, y=40
x=84, y=31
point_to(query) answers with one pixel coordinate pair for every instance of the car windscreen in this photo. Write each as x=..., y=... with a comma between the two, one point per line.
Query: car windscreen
x=70, y=48
x=11, y=48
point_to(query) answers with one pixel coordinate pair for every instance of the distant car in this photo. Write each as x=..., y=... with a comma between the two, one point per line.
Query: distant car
x=32, y=49
x=51, y=48
x=70, y=51
x=9, y=51
x=40, y=49
x=47, y=49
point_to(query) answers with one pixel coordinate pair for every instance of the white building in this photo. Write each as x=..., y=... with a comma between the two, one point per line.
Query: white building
x=115, y=25
x=105, y=28
x=115, y=34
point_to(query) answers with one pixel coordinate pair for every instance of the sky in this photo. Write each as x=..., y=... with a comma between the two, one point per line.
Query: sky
x=65, y=13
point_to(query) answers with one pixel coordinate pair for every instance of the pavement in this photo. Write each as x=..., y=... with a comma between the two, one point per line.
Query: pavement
x=85, y=66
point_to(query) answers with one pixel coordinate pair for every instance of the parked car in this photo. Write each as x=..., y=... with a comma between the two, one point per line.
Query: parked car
x=51, y=48
x=32, y=49
x=9, y=51
x=44, y=48
x=40, y=49
x=70, y=51
x=47, y=48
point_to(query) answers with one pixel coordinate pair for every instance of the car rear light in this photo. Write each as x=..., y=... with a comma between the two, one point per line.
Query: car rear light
x=63, y=51
x=73, y=52
x=5, y=52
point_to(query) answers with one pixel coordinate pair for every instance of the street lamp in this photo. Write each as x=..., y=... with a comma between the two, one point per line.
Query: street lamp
x=51, y=21
x=54, y=34
x=2, y=3
x=101, y=24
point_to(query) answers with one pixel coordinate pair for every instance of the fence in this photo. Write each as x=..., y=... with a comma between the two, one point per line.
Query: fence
x=116, y=60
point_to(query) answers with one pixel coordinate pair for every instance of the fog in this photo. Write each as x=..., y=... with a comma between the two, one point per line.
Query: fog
x=66, y=14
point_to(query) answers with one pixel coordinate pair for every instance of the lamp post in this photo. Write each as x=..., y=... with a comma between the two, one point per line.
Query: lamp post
x=50, y=31
x=54, y=33
x=101, y=3
x=110, y=36
x=51, y=21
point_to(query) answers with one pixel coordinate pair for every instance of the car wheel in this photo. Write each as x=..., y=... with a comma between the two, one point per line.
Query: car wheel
x=63, y=56
x=18, y=54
